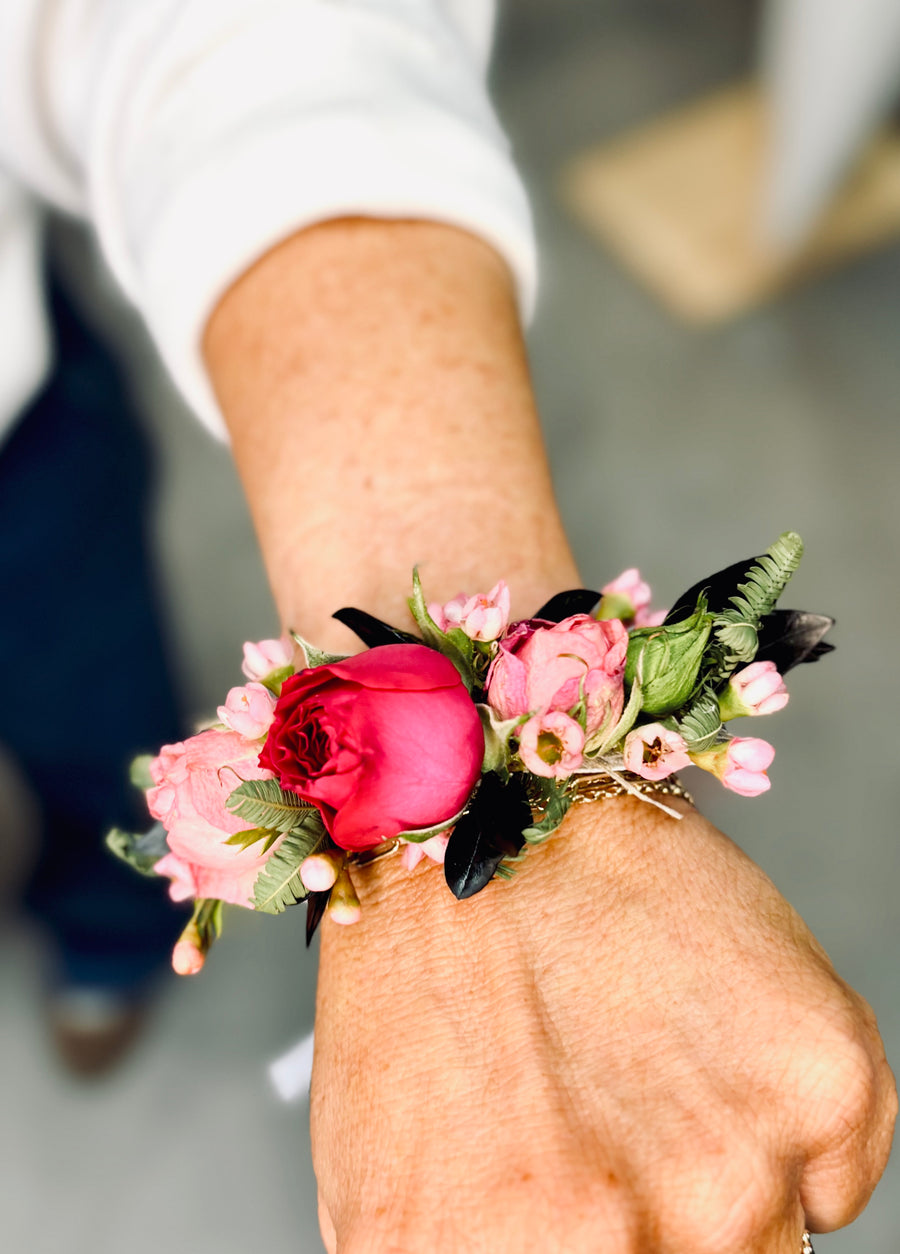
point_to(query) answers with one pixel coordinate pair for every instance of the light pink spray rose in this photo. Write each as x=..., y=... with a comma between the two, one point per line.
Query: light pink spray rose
x=755, y=689
x=193, y=780
x=483, y=617
x=551, y=744
x=248, y=710
x=740, y=763
x=628, y=597
x=265, y=656
x=653, y=752
x=541, y=667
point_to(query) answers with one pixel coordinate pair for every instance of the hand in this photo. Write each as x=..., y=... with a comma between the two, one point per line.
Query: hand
x=637, y=1045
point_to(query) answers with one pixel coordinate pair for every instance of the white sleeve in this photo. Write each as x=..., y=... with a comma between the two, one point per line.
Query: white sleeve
x=198, y=133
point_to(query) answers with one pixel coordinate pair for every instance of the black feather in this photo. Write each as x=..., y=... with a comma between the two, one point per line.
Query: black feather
x=372, y=631
x=565, y=604
x=315, y=909
x=489, y=831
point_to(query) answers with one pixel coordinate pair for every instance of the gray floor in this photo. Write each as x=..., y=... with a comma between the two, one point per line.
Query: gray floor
x=673, y=448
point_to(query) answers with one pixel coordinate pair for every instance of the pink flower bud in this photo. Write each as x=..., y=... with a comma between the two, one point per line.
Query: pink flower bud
x=248, y=711
x=630, y=588
x=189, y=955
x=343, y=904
x=433, y=849
x=551, y=744
x=740, y=763
x=483, y=617
x=757, y=689
x=653, y=752
x=320, y=870
x=266, y=656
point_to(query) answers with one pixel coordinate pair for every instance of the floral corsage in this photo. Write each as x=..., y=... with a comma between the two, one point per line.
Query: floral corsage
x=465, y=744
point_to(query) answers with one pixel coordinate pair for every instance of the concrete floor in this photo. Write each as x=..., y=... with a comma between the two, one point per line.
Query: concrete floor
x=786, y=418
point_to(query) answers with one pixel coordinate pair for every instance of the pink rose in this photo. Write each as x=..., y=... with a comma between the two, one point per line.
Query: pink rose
x=653, y=752
x=193, y=781
x=483, y=617
x=266, y=656
x=740, y=763
x=551, y=744
x=384, y=742
x=540, y=667
x=248, y=710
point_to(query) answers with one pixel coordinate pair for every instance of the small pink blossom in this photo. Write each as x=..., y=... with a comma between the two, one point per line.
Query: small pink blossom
x=541, y=666
x=551, y=744
x=320, y=870
x=653, y=752
x=650, y=618
x=628, y=598
x=266, y=656
x=740, y=763
x=248, y=710
x=483, y=617
x=433, y=849
x=188, y=955
x=757, y=689
x=343, y=904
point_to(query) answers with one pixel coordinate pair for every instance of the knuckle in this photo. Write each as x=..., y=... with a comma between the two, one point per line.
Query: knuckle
x=725, y=1206
x=843, y=1085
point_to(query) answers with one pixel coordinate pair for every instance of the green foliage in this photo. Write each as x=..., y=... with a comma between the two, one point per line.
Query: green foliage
x=455, y=644
x=314, y=656
x=736, y=630
x=278, y=884
x=555, y=800
x=419, y=834
x=140, y=852
x=606, y=738
x=139, y=771
x=667, y=660
x=264, y=803
x=701, y=723
x=245, y=840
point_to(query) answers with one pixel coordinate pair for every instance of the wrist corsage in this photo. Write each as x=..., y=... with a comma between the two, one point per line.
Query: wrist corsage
x=465, y=744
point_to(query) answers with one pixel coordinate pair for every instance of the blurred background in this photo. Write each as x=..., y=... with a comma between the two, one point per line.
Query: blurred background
x=682, y=437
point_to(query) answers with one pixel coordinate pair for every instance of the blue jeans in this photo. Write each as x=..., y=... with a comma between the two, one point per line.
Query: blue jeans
x=86, y=683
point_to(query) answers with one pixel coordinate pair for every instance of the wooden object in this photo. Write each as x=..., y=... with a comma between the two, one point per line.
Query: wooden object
x=678, y=201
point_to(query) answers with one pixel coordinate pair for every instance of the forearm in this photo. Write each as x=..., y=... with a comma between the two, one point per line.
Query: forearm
x=373, y=377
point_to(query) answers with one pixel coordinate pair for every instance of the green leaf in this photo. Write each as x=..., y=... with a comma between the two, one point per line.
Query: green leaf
x=140, y=852
x=314, y=656
x=455, y=644
x=139, y=771
x=497, y=733
x=264, y=803
x=419, y=834
x=278, y=884
x=244, y=840
x=555, y=801
x=701, y=723
x=603, y=741
x=275, y=679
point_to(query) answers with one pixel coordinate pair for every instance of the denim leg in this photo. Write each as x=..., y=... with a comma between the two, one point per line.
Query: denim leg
x=86, y=681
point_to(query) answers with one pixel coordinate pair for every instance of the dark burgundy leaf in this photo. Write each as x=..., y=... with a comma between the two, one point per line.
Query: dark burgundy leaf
x=789, y=637
x=565, y=604
x=489, y=831
x=372, y=631
x=315, y=909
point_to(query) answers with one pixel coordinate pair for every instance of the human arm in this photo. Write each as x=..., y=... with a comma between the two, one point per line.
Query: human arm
x=635, y=1041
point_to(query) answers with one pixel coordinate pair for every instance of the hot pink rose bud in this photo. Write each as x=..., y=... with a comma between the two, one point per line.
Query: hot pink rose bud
x=248, y=711
x=551, y=745
x=266, y=656
x=757, y=689
x=483, y=617
x=653, y=752
x=320, y=870
x=189, y=953
x=740, y=763
x=343, y=904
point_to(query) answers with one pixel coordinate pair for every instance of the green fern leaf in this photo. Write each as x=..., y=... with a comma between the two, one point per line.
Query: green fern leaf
x=278, y=884
x=264, y=803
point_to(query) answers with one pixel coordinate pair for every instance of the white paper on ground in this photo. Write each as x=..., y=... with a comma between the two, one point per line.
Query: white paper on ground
x=291, y=1073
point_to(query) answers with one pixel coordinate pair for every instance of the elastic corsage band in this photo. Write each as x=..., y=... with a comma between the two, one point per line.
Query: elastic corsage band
x=465, y=744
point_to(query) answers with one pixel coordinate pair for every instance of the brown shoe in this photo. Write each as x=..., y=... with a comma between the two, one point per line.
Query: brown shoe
x=93, y=1028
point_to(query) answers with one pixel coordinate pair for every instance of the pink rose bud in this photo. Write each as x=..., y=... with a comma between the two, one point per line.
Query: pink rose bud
x=189, y=954
x=757, y=689
x=551, y=745
x=625, y=596
x=248, y=711
x=320, y=870
x=483, y=617
x=653, y=752
x=266, y=656
x=740, y=763
x=343, y=904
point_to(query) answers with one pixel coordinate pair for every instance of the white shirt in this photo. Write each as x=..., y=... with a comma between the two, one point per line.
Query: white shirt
x=195, y=134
